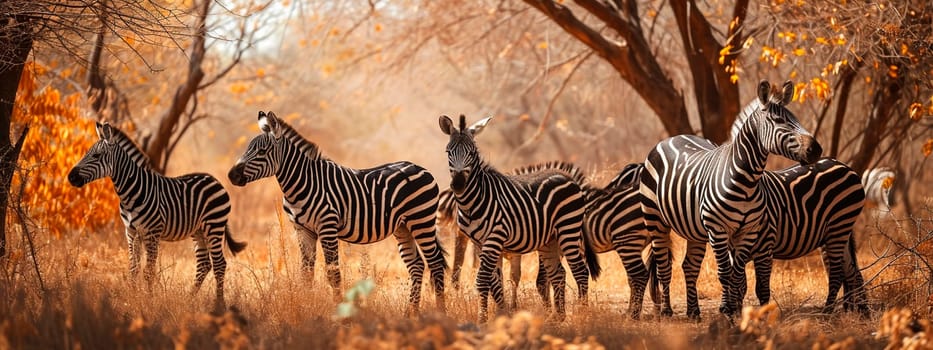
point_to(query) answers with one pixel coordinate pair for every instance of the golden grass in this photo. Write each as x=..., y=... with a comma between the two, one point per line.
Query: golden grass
x=88, y=302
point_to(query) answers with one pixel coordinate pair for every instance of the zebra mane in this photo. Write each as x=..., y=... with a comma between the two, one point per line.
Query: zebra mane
x=571, y=170
x=743, y=116
x=304, y=145
x=750, y=109
x=130, y=147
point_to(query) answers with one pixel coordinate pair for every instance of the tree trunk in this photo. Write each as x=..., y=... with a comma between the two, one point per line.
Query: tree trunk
x=161, y=139
x=717, y=97
x=883, y=106
x=842, y=104
x=16, y=42
x=634, y=60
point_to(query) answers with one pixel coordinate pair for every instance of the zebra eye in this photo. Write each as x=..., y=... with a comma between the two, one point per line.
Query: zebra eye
x=95, y=156
x=261, y=152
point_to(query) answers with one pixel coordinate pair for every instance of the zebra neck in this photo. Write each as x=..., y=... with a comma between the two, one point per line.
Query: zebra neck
x=130, y=180
x=293, y=171
x=477, y=193
x=747, y=156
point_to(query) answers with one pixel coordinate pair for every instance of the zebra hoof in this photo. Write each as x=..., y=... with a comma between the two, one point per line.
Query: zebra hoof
x=667, y=312
x=694, y=316
x=726, y=310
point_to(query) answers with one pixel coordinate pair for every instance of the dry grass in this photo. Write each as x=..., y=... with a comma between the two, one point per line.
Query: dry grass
x=84, y=299
x=88, y=302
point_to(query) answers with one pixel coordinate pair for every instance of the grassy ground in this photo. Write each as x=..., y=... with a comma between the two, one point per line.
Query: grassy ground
x=85, y=300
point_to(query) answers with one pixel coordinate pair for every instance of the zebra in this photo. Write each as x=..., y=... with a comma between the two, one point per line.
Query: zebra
x=447, y=211
x=542, y=211
x=612, y=222
x=828, y=197
x=714, y=194
x=328, y=201
x=879, y=186
x=154, y=207
x=808, y=208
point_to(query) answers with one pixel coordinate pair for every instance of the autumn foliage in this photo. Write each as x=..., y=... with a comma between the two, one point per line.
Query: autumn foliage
x=59, y=137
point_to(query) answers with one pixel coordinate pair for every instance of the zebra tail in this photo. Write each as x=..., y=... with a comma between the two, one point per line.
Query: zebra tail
x=654, y=289
x=234, y=246
x=589, y=254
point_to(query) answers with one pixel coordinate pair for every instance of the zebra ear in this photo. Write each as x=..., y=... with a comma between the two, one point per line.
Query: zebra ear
x=477, y=127
x=104, y=131
x=764, y=92
x=269, y=123
x=447, y=125
x=787, y=92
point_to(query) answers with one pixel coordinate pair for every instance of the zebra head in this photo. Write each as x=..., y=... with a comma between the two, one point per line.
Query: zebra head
x=462, y=154
x=779, y=131
x=98, y=161
x=261, y=158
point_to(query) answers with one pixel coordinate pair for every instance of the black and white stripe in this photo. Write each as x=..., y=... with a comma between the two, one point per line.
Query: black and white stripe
x=614, y=222
x=331, y=202
x=714, y=194
x=809, y=208
x=447, y=215
x=519, y=214
x=154, y=207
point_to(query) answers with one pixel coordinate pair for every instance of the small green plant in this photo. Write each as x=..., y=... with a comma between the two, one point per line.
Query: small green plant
x=353, y=298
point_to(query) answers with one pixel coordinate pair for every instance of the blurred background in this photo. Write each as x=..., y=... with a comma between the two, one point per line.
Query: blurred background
x=593, y=82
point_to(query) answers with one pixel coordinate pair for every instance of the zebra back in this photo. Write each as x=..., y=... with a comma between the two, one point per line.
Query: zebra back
x=629, y=176
x=447, y=202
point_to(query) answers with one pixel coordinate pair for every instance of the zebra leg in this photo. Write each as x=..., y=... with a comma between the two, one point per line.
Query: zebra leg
x=693, y=261
x=151, y=241
x=133, y=242
x=307, y=243
x=570, y=242
x=331, y=262
x=202, y=255
x=629, y=247
x=412, y=258
x=486, y=278
x=541, y=283
x=725, y=272
x=425, y=236
x=215, y=241
x=740, y=257
x=460, y=245
x=515, y=275
x=854, y=297
x=832, y=262
x=662, y=259
x=741, y=287
x=763, y=266
x=550, y=255
x=660, y=238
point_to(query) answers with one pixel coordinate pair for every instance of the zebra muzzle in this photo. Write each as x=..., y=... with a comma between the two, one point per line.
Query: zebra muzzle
x=76, y=179
x=458, y=181
x=236, y=176
x=810, y=150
